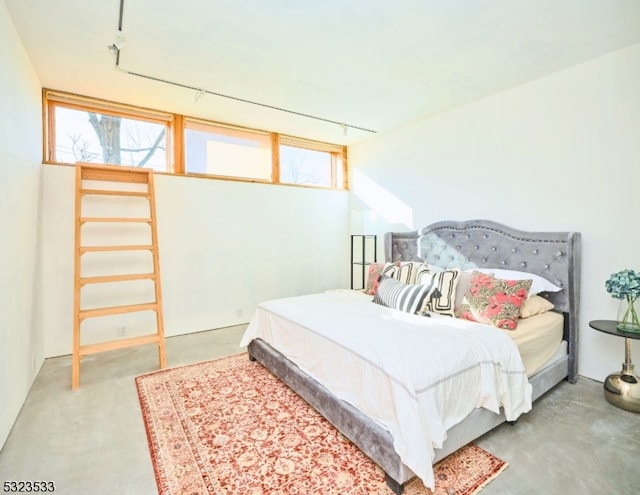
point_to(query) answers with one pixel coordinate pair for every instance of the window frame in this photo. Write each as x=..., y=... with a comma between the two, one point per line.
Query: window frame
x=56, y=99
x=335, y=151
x=177, y=125
x=231, y=130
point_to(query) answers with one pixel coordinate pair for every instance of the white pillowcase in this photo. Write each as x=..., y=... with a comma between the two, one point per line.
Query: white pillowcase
x=540, y=284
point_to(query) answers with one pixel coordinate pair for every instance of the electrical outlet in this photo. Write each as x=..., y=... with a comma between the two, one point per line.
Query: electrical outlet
x=33, y=362
x=122, y=329
x=239, y=312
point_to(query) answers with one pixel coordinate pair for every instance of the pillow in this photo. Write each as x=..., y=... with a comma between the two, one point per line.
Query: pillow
x=535, y=305
x=494, y=301
x=404, y=271
x=407, y=270
x=421, y=271
x=539, y=284
x=435, y=268
x=461, y=289
x=406, y=297
x=374, y=273
x=443, y=300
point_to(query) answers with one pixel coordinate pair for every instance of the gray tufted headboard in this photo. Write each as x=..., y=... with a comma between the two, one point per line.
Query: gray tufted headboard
x=486, y=244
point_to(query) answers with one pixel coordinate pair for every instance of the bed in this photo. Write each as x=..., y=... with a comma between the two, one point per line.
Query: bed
x=466, y=245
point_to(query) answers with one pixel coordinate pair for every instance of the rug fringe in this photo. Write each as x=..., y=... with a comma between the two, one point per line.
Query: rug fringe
x=490, y=478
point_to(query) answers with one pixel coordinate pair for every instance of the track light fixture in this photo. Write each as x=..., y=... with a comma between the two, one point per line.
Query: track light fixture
x=117, y=45
x=198, y=96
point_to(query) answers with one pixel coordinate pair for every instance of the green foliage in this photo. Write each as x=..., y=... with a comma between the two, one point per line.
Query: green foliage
x=624, y=284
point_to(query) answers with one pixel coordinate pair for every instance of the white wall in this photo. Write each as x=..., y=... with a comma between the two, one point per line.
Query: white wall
x=21, y=338
x=559, y=153
x=224, y=247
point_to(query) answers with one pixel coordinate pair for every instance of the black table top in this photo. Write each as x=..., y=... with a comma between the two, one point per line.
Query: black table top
x=609, y=326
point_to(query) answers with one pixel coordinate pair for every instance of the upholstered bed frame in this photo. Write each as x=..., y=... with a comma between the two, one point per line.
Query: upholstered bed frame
x=468, y=244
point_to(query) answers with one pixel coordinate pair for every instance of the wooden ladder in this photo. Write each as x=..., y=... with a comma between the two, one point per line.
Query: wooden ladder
x=119, y=184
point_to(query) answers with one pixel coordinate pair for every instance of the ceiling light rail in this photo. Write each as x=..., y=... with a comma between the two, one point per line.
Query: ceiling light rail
x=199, y=93
x=116, y=47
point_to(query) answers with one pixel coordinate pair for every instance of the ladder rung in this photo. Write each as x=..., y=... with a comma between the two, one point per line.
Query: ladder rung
x=110, y=192
x=135, y=247
x=119, y=344
x=116, y=310
x=116, y=219
x=101, y=279
x=114, y=173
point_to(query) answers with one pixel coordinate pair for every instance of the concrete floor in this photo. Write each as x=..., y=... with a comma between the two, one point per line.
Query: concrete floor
x=93, y=440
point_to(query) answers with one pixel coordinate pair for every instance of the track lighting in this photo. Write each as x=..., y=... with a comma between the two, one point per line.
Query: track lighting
x=199, y=94
x=117, y=45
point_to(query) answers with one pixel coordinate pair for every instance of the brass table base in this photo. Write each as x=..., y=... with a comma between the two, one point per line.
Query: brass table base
x=623, y=389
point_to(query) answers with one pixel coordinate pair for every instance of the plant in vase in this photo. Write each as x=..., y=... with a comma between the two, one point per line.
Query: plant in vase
x=625, y=285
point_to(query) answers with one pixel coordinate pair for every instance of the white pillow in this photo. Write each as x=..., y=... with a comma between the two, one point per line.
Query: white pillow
x=540, y=284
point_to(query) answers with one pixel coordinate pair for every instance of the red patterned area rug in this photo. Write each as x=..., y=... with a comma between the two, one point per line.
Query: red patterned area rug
x=229, y=427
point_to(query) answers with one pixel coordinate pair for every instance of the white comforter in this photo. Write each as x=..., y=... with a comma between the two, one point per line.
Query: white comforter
x=416, y=376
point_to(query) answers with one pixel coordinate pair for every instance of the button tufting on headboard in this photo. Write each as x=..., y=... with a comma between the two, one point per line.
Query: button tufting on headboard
x=487, y=244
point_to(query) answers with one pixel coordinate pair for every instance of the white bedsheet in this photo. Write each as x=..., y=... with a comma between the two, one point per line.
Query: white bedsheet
x=416, y=376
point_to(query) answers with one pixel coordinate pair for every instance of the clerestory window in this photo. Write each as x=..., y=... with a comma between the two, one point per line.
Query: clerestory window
x=83, y=129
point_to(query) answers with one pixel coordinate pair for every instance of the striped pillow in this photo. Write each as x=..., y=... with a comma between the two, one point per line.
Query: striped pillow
x=404, y=297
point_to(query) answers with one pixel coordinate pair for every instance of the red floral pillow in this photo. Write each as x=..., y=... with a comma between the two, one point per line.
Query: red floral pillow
x=373, y=275
x=494, y=301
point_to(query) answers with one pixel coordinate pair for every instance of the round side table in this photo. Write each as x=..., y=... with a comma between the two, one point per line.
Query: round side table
x=621, y=389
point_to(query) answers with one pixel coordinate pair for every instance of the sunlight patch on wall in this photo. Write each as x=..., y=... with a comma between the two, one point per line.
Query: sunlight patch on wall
x=379, y=203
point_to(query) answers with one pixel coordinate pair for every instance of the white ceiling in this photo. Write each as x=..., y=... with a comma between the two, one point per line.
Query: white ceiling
x=374, y=64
